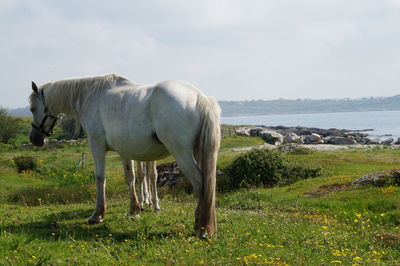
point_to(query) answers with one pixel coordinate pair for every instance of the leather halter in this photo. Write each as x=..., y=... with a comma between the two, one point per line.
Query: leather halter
x=46, y=116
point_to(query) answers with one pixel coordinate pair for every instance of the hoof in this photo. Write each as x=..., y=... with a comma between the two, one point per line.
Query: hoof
x=157, y=210
x=93, y=220
x=204, y=232
x=203, y=235
x=134, y=217
x=134, y=212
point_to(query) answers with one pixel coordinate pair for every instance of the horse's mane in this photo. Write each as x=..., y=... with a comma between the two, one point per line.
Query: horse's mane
x=74, y=94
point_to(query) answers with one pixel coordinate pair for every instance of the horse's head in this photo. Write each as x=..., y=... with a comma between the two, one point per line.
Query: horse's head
x=43, y=121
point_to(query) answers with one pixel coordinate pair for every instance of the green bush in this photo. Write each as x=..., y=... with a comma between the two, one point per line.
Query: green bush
x=25, y=163
x=396, y=178
x=266, y=168
x=11, y=127
x=389, y=178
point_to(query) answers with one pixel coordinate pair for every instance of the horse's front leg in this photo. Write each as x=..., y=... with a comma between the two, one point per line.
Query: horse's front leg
x=135, y=206
x=99, y=154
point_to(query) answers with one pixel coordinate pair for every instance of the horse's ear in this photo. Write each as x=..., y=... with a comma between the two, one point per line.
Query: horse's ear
x=35, y=87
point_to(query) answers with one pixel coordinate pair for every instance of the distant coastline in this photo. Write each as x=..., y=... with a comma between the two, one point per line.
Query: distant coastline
x=283, y=106
x=305, y=113
x=307, y=106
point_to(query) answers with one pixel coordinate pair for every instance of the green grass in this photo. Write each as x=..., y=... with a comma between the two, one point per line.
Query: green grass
x=285, y=225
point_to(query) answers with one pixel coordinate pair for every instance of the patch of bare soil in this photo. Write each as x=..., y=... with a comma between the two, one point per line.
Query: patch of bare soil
x=389, y=239
x=325, y=189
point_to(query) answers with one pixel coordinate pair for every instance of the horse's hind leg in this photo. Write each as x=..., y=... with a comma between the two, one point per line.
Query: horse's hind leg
x=190, y=169
x=130, y=181
x=151, y=171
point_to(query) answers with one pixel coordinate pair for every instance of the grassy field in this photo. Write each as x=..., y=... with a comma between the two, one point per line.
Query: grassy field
x=312, y=222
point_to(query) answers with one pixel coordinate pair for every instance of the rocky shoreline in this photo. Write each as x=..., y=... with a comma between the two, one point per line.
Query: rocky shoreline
x=304, y=135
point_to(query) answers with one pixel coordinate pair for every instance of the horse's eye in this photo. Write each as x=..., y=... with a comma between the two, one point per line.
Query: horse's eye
x=32, y=109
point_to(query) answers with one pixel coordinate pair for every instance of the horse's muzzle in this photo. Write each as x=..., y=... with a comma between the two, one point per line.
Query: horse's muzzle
x=36, y=137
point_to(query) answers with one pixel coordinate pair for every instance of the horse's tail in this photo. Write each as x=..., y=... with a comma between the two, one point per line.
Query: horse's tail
x=206, y=152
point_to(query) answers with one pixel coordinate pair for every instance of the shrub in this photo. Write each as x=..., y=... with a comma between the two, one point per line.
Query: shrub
x=25, y=163
x=66, y=130
x=389, y=178
x=266, y=168
x=10, y=126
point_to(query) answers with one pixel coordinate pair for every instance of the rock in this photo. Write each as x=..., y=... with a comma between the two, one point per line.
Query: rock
x=290, y=147
x=255, y=131
x=292, y=138
x=271, y=137
x=306, y=135
x=368, y=178
x=243, y=131
x=360, y=138
x=341, y=141
x=315, y=137
x=168, y=174
x=373, y=141
x=380, y=178
x=389, y=141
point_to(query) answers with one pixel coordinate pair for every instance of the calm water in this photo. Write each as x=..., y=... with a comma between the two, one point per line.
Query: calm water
x=382, y=122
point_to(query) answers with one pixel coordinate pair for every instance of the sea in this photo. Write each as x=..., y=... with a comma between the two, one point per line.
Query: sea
x=377, y=124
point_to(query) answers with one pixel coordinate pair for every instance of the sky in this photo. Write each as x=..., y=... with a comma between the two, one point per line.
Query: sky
x=229, y=49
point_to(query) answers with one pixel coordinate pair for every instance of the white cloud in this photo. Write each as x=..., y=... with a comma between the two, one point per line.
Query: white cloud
x=230, y=49
x=7, y=5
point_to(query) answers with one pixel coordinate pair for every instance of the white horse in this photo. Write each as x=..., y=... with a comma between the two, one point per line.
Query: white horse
x=147, y=175
x=139, y=122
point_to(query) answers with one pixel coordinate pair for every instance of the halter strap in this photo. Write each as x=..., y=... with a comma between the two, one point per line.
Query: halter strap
x=46, y=116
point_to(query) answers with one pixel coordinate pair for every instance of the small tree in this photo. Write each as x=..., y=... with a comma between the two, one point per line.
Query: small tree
x=67, y=130
x=10, y=126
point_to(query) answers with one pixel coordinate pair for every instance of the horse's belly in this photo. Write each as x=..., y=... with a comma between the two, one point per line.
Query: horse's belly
x=152, y=153
x=143, y=150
